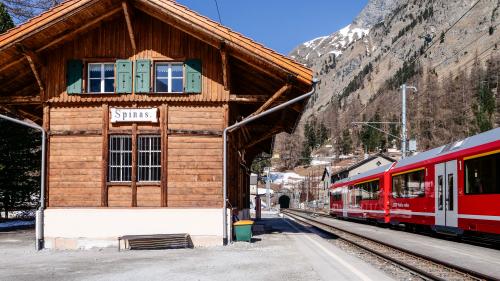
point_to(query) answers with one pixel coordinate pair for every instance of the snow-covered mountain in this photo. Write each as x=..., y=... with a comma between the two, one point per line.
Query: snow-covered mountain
x=335, y=43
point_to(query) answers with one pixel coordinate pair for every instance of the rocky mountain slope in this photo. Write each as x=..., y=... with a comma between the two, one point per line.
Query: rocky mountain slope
x=436, y=45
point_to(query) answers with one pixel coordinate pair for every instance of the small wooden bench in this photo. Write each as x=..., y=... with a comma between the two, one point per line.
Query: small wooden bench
x=156, y=241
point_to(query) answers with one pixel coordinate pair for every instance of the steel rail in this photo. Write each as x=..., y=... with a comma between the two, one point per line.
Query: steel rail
x=427, y=275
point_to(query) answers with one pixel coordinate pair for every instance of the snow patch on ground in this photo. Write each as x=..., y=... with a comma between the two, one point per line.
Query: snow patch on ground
x=319, y=162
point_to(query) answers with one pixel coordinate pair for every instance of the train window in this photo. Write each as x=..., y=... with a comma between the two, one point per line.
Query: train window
x=450, y=192
x=440, y=192
x=369, y=190
x=409, y=185
x=482, y=175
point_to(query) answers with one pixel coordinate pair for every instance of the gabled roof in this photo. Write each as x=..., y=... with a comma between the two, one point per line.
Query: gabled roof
x=374, y=171
x=362, y=162
x=70, y=15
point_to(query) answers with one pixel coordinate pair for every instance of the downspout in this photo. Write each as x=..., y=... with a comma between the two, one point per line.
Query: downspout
x=39, y=212
x=239, y=124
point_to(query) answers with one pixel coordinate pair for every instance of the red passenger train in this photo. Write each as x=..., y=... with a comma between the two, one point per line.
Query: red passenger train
x=452, y=189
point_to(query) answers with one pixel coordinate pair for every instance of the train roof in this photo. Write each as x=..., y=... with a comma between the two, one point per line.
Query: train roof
x=372, y=172
x=476, y=140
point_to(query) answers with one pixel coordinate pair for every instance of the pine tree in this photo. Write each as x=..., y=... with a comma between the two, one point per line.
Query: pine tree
x=5, y=20
x=346, y=142
x=22, y=10
x=19, y=166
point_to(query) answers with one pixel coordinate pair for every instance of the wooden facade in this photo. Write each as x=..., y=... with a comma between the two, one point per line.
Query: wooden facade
x=238, y=78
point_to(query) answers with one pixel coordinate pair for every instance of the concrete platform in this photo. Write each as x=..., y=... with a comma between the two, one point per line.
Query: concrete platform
x=480, y=259
x=284, y=252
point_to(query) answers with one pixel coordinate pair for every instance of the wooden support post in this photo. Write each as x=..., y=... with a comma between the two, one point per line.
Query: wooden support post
x=270, y=101
x=32, y=58
x=105, y=155
x=164, y=154
x=46, y=127
x=226, y=74
x=134, y=165
x=126, y=12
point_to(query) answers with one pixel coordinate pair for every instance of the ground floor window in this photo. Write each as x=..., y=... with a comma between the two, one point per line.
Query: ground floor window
x=120, y=158
x=148, y=160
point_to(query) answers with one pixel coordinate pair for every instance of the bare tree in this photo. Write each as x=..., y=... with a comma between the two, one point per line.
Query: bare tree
x=22, y=10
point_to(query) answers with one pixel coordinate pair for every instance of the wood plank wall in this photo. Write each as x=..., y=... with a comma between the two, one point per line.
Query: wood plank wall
x=155, y=39
x=194, y=162
x=75, y=161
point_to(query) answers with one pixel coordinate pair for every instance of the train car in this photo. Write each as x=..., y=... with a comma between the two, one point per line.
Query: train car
x=452, y=188
x=362, y=196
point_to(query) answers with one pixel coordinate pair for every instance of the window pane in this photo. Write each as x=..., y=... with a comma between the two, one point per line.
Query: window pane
x=149, y=159
x=177, y=70
x=95, y=86
x=161, y=70
x=177, y=86
x=109, y=86
x=161, y=85
x=482, y=175
x=109, y=70
x=450, y=192
x=120, y=159
x=156, y=174
x=94, y=70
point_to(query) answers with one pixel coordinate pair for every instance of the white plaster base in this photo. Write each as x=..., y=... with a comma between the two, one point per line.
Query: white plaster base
x=85, y=228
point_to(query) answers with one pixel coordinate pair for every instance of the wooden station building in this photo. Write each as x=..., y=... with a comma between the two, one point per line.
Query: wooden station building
x=134, y=96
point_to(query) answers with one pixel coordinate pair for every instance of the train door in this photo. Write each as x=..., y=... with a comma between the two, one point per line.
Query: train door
x=446, y=195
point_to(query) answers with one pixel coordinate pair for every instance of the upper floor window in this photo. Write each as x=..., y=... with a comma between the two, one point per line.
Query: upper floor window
x=169, y=77
x=101, y=77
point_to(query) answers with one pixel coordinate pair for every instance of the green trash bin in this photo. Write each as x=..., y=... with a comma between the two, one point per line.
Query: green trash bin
x=243, y=230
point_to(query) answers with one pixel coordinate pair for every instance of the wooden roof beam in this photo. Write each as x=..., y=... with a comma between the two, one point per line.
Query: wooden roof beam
x=126, y=12
x=21, y=114
x=275, y=97
x=251, y=99
x=31, y=61
x=68, y=35
x=226, y=74
x=29, y=115
x=264, y=137
x=19, y=100
x=210, y=36
x=74, y=32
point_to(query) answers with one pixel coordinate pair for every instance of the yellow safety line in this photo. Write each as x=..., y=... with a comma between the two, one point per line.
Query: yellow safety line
x=407, y=172
x=482, y=154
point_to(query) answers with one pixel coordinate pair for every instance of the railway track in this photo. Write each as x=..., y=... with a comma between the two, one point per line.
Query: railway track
x=423, y=266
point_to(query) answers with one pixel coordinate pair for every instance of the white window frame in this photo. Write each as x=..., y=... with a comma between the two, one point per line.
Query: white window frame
x=169, y=76
x=122, y=154
x=150, y=151
x=102, y=78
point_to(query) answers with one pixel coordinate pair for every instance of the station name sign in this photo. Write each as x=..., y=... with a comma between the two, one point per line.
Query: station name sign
x=134, y=115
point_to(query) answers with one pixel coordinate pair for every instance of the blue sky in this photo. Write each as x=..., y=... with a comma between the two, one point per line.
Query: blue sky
x=280, y=24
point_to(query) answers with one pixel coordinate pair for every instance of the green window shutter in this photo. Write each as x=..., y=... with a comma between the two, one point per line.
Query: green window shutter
x=74, y=77
x=193, y=76
x=123, y=76
x=142, y=76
